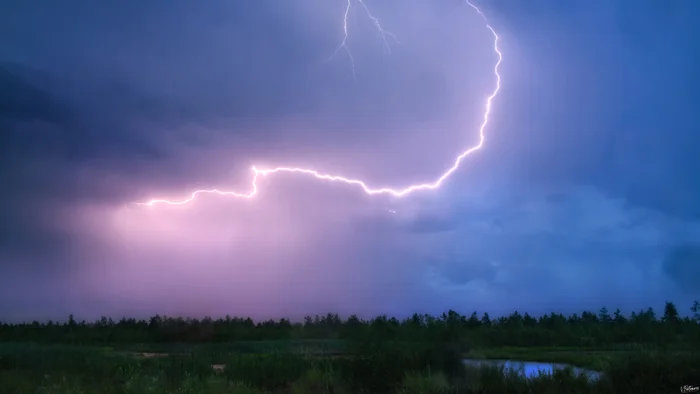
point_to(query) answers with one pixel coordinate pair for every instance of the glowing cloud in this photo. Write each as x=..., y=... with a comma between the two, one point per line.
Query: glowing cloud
x=397, y=192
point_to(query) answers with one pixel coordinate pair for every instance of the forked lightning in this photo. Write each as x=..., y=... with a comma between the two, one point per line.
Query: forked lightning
x=397, y=192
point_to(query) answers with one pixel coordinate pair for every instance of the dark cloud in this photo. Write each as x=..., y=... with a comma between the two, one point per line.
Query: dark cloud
x=431, y=224
x=581, y=195
x=682, y=265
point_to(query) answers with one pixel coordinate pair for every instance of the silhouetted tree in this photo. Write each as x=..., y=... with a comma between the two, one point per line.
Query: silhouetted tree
x=670, y=313
x=485, y=319
x=696, y=310
x=554, y=329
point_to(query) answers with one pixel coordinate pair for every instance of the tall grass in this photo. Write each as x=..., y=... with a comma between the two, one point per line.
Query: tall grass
x=376, y=369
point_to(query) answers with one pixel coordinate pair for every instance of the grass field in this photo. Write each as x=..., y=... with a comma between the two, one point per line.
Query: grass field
x=327, y=367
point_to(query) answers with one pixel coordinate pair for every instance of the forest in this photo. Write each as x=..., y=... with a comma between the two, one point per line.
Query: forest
x=585, y=329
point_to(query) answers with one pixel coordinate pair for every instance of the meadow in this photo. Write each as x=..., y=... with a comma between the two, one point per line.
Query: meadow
x=639, y=353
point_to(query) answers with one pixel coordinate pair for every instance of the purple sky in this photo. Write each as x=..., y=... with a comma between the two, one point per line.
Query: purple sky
x=585, y=193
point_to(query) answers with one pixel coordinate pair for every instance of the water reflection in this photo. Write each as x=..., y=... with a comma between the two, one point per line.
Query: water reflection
x=531, y=368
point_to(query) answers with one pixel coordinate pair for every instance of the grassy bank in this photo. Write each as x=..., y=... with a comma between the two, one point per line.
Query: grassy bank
x=377, y=369
x=263, y=346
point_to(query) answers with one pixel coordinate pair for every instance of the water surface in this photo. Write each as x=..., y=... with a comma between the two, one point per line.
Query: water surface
x=531, y=368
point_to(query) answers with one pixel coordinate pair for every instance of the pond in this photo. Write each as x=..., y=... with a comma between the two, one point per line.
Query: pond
x=531, y=368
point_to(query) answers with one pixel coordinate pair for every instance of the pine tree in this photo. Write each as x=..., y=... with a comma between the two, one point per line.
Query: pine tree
x=670, y=313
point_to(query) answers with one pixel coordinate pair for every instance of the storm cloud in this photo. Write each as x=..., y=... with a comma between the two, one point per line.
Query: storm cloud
x=585, y=193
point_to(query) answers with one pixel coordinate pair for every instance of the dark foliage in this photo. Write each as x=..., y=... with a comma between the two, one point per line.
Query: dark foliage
x=459, y=331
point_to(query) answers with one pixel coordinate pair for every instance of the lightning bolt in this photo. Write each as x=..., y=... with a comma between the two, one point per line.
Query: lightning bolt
x=400, y=192
x=383, y=33
x=344, y=43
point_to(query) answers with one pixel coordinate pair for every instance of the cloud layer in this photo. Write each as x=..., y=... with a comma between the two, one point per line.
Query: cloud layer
x=584, y=195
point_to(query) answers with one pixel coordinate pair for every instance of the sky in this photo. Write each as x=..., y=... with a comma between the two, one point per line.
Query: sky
x=585, y=192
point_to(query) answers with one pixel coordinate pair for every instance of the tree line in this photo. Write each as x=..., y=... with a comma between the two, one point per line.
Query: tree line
x=586, y=329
